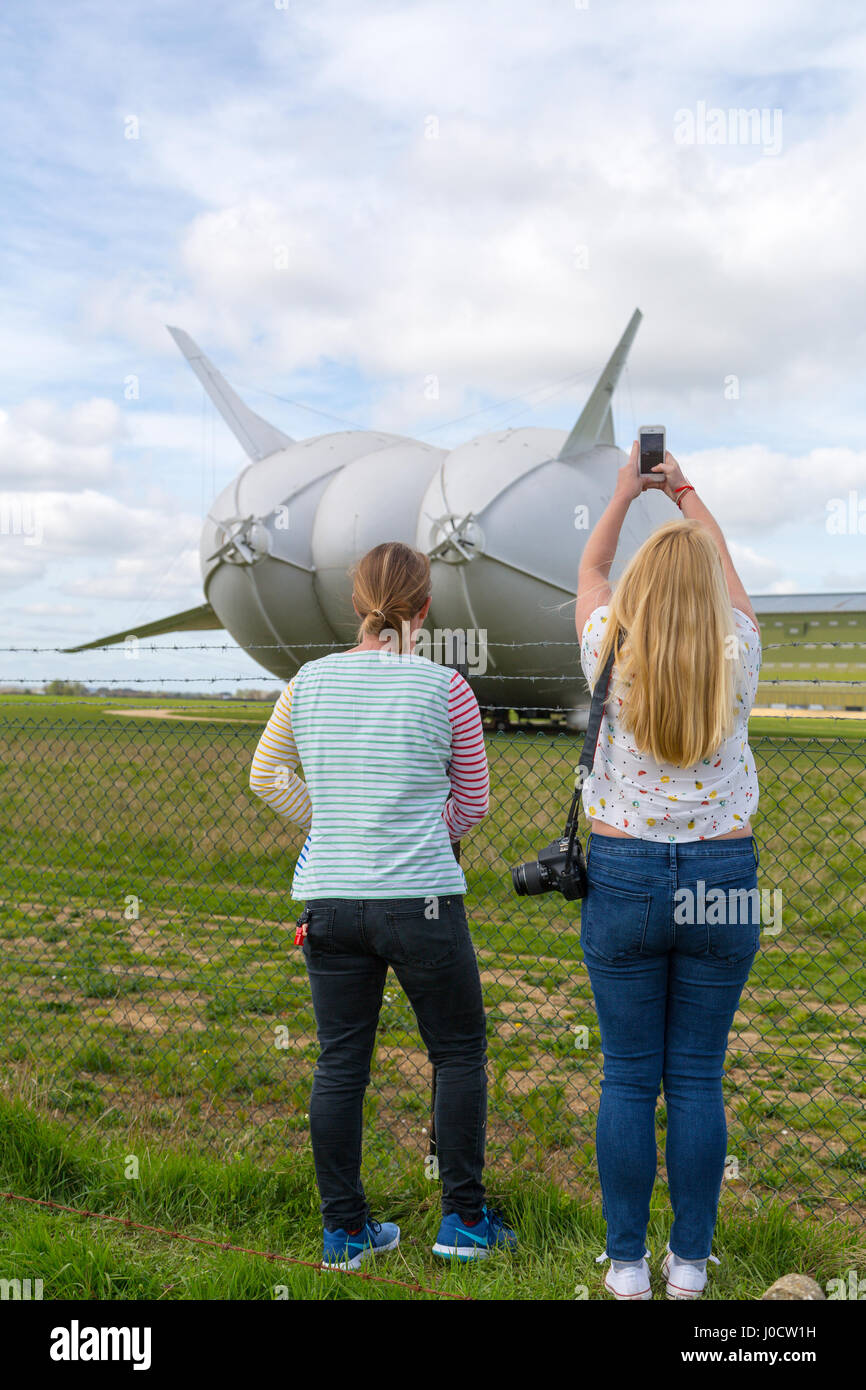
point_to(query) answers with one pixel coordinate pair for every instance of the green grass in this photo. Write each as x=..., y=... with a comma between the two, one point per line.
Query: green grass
x=166, y=1024
x=276, y=1210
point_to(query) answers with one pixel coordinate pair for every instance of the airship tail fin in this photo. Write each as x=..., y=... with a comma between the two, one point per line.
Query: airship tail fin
x=255, y=435
x=198, y=619
x=595, y=425
x=605, y=433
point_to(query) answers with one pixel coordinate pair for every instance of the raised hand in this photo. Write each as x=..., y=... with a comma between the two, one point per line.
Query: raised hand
x=671, y=476
x=629, y=483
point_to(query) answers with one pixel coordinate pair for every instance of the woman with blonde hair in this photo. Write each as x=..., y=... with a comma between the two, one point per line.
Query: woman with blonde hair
x=395, y=773
x=669, y=927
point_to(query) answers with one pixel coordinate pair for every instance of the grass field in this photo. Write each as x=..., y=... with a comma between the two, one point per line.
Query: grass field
x=275, y=1210
x=150, y=974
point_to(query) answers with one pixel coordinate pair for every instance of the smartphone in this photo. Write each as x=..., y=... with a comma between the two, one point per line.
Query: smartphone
x=652, y=451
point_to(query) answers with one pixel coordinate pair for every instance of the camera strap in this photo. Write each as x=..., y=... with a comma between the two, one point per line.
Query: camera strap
x=590, y=742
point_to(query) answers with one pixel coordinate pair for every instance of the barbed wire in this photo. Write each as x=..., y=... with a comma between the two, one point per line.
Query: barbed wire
x=343, y=646
x=131, y=1225
x=124, y=681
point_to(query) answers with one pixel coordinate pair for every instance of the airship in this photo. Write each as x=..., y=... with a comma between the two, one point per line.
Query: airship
x=503, y=518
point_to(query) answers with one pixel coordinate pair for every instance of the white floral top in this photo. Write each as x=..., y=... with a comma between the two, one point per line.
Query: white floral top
x=630, y=791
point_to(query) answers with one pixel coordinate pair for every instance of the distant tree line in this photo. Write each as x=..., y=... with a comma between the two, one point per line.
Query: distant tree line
x=78, y=689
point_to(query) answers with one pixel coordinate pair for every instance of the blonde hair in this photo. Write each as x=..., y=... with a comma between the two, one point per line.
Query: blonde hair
x=674, y=673
x=392, y=584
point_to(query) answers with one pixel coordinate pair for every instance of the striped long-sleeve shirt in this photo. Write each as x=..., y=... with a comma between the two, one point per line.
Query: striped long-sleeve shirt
x=394, y=766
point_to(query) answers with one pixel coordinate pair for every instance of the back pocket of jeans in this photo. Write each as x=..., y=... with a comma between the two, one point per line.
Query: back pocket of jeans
x=320, y=929
x=737, y=932
x=731, y=910
x=614, y=921
x=425, y=932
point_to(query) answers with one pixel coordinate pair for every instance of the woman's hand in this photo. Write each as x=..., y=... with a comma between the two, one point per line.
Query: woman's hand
x=629, y=483
x=671, y=474
x=593, y=588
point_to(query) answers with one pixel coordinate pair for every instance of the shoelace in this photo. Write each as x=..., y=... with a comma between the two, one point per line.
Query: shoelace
x=691, y=1262
x=495, y=1223
x=605, y=1256
x=369, y=1225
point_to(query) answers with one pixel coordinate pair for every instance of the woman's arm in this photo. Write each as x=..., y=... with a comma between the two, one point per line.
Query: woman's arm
x=593, y=588
x=272, y=775
x=696, y=510
x=469, y=801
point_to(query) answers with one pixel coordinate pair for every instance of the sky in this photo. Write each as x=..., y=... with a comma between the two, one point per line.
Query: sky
x=341, y=201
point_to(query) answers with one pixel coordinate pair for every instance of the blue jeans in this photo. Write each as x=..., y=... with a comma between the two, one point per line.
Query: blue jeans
x=348, y=949
x=666, y=990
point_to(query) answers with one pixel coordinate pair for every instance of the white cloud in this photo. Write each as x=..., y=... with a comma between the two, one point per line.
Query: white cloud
x=51, y=610
x=90, y=545
x=459, y=257
x=92, y=523
x=18, y=566
x=44, y=445
x=846, y=581
x=759, y=574
x=756, y=488
x=143, y=578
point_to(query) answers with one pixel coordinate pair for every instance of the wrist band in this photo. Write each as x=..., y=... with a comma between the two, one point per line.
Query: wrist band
x=680, y=493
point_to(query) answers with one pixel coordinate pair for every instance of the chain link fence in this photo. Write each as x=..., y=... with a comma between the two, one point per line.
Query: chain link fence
x=151, y=985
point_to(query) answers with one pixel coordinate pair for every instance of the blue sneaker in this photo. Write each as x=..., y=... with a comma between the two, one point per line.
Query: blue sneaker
x=456, y=1241
x=345, y=1251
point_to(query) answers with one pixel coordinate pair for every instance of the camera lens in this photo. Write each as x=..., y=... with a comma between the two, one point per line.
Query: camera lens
x=529, y=879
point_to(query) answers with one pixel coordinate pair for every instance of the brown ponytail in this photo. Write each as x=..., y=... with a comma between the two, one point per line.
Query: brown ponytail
x=392, y=584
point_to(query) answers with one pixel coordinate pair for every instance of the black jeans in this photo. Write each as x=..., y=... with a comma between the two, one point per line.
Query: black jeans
x=348, y=948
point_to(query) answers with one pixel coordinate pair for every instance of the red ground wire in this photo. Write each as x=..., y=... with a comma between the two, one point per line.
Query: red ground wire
x=238, y=1249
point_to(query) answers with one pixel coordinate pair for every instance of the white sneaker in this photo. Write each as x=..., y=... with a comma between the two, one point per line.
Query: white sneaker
x=632, y=1282
x=683, y=1280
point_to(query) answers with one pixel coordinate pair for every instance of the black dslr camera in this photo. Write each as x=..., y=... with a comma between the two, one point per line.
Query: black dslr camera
x=560, y=867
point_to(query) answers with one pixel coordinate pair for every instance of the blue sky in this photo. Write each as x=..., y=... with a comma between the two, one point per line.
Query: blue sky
x=309, y=126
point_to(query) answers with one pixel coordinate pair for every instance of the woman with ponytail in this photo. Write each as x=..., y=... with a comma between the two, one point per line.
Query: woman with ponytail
x=395, y=774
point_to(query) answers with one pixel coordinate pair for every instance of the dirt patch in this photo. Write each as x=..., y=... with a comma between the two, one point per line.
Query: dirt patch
x=70, y=913
x=171, y=714
x=546, y=1004
x=13, y=944
x=411, y=1062
x=579, y=1095
x=142, y=1018
x=89, y=1005
x=747, y=1042
x=804, y=996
